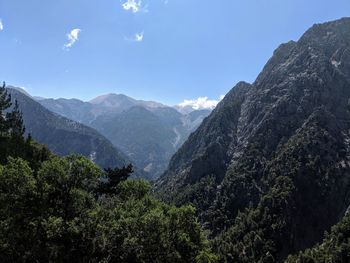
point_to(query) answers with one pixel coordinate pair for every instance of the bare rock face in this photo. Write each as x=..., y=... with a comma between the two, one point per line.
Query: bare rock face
x=291, y=127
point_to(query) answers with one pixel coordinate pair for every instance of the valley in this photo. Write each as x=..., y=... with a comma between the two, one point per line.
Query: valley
x=149, y=133
x=258, y=175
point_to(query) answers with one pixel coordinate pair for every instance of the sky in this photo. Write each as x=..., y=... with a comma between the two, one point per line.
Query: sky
x=171, y=51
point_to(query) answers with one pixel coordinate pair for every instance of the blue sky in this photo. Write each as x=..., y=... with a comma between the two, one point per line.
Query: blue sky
x=163, y=50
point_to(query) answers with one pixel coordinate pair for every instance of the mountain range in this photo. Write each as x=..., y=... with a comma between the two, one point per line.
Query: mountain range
x=269, y=169
x=64, y=136
x=148, y=132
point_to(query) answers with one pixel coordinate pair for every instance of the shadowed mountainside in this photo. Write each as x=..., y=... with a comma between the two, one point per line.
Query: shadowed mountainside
x=269, y=169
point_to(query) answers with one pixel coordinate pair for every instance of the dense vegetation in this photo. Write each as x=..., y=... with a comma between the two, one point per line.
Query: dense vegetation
x=66, y=209
x=334, y=248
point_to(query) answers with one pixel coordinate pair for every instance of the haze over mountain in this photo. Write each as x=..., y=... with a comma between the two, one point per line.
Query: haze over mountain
x=148, y=132
x=64, y=136
x=269, y=169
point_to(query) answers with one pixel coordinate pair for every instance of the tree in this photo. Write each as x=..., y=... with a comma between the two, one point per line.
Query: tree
x=17, y=205
x=5, y=103
x=14, y=121
x=53, y=215
x=335, y=246
x=113, y=177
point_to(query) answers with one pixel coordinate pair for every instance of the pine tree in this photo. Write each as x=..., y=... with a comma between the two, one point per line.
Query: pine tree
x=15, y=121
x=113, y=178
x=5, y=103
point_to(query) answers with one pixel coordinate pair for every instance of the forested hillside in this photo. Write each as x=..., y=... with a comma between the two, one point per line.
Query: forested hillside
x=269, y=169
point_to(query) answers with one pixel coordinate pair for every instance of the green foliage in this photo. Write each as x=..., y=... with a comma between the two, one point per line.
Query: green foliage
x=15, y=121
x=113, y=178
x=12, y=141
x=334, y=248
x=258, y=233
x=199, y=194
x=55, y=209
x=54, y=215
x=26, y=149
x=5, y=103
x=11, y=122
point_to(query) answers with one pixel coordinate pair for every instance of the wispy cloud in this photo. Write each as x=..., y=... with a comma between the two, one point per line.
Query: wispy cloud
x=1, y=25
x=132, y=5
x=138, y=37
x=72, y=36
x=200, y=103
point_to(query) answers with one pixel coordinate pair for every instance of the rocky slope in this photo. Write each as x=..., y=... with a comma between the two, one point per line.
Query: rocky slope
x=269, y=169
x=64, y=136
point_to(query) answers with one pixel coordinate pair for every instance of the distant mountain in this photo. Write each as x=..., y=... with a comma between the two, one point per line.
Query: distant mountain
x=21, y=90
x=120, y=102
x=148, y=132
x=64, y=136
x=269, y=169
x=73, y=109
x=86, y=112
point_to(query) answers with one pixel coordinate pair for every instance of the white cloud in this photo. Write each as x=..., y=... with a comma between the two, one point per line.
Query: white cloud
x=138, y=37
x=73, y=36
x=200, y=103
x=132, y=5
x=1, y=25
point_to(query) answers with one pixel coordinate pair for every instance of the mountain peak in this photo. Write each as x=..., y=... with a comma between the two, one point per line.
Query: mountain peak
x=123, y=102
x=22, y=90
x=111, y=99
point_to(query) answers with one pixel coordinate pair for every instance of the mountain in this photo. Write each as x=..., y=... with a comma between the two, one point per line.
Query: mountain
x=64, y=136
x=86, y=112
x=269, y=169
x=147, y=131
x=141, y=135
x=120, y=102
x=73, y=109
x=150, y=137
